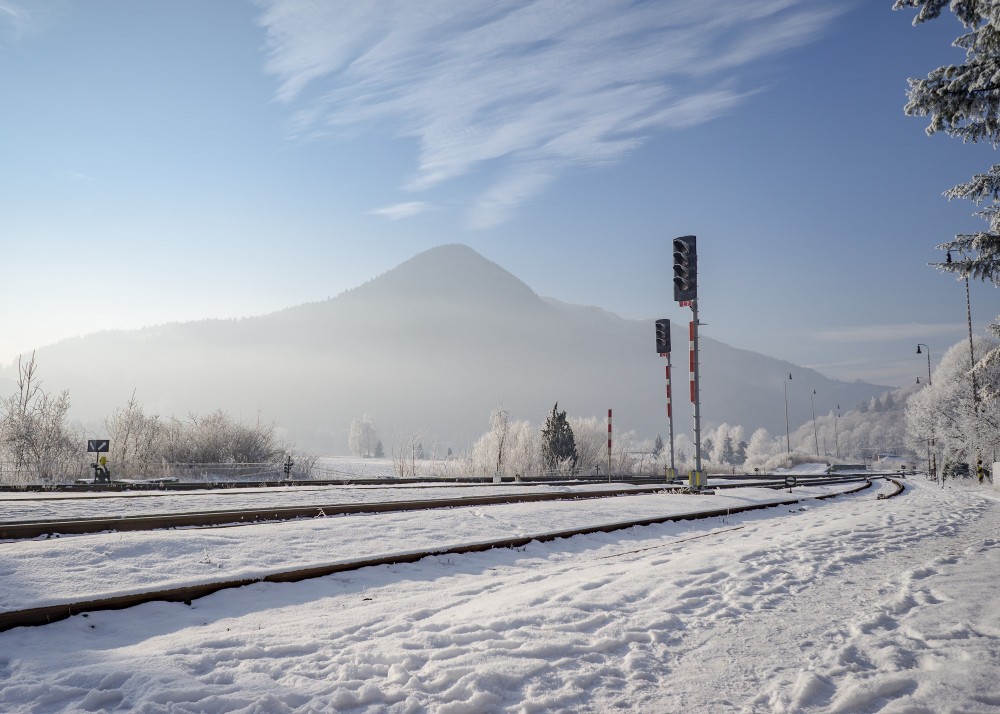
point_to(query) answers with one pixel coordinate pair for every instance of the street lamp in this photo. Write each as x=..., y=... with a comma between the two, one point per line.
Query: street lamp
x=815, y=432
x=968, y=317
x=931, y=443
x=836, y=432
x=788, y=442
x=919, y=345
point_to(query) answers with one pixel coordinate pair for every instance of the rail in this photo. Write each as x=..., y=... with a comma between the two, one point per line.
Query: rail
x=53, y=613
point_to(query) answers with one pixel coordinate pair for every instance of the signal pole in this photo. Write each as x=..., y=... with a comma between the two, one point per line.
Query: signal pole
x=670, y=420
x=696, y=392
x=686, y=294
x=663, y=348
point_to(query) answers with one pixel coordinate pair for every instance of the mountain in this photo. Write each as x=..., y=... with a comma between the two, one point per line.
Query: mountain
x=431, y=345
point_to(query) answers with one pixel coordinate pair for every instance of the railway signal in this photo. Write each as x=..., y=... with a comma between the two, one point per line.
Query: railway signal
x=685, y=268
x=685, y=251
x=663, y=348
x=663, y=337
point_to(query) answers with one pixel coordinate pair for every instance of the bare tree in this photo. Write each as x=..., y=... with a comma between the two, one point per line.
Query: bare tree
x=137, y=440
x=404, y=453
x=36, y=441
x=499, y=429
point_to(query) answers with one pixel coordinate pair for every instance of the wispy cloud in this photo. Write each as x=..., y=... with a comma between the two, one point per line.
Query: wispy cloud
x=401, y=210
x=14, y=19
x=525, y=89
x=888, y=333
x=76, y=177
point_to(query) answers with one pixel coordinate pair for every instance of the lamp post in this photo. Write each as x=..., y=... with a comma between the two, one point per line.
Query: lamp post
x=931, y=460
x=815, y=432
x=836, y=432
x=919, y=345
x=788, y=442
x=968, y=317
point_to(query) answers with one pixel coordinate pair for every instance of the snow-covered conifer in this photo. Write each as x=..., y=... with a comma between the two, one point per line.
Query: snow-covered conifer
x=558, y=443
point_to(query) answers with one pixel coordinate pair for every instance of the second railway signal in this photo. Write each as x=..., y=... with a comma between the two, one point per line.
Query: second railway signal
x=662, y=337
x=685, y=268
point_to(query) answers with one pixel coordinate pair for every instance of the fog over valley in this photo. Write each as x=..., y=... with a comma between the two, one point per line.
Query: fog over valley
x=433, y=345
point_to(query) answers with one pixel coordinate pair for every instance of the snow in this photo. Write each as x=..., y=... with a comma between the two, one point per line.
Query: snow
x=848, y=605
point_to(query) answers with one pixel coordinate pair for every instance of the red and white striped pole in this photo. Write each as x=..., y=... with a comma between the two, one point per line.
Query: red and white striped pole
x=609, y=446
x=691, y=360
x=696, y=396
x=670, y=419
x=670, y=414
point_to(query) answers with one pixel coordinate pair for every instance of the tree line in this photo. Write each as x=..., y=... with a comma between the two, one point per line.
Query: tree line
x=38, y=444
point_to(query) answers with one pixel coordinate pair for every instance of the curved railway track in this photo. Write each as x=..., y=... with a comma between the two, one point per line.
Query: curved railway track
x=44, y=615
x=36, y=528
x=244, y=516
x=159, y=488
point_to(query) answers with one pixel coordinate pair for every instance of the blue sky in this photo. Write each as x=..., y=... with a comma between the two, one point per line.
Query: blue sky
x=183, y=160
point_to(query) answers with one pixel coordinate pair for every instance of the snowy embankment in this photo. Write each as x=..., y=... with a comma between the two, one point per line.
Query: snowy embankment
x=849, y=605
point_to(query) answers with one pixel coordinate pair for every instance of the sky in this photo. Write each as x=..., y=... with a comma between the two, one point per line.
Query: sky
x=188, y=160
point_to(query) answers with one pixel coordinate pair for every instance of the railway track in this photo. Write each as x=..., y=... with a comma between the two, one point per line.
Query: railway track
x=156, y=488
x=237, y=517
x=44, y=615
x=160, y=487
x=35, y=528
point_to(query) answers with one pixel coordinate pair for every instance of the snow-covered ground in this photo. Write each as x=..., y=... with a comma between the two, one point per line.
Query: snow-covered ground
x=848, y=605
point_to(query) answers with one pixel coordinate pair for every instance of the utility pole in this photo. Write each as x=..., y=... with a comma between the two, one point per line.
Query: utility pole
x=815, y=431
x=836, y=432
x=788, y=439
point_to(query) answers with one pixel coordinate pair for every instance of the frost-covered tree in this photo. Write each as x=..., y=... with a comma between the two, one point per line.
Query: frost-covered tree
x=558, y=443
x=963, y=101
x=657, y=446
x=217, y=438
x=509, y=448
x=741, y=452
x=404, y=453
x=36, y=441
x=488, y=456
x=136, y=438
x=760, y=448
x=708, y=448
x=713, y=442
x=363, y=436
x=591, y=438
x=728, y=454
x=683, y=452
x=524, y=449
x=623, y=460
x=945, y=411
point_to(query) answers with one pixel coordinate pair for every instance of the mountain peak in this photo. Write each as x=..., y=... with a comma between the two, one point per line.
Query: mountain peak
x=450, y=273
